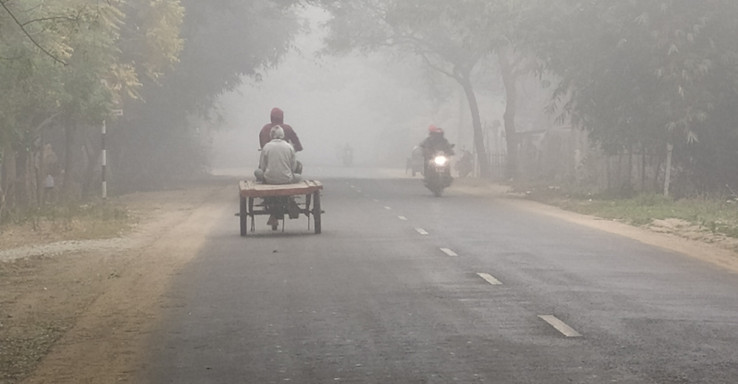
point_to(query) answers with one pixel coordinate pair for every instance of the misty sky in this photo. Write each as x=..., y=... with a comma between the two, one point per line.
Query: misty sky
x=378, y=105
x=366, y=102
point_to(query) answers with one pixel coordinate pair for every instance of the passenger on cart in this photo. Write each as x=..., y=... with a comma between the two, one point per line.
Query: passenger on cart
x=278, y=165
x=278, y=162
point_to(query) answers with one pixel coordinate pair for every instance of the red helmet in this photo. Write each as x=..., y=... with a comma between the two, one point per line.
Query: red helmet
x=433, y=129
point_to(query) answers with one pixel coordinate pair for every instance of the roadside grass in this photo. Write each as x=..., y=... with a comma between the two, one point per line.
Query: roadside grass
x=717, y=216
x=100, y=220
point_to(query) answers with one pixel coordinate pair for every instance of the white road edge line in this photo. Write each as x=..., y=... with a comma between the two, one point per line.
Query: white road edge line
x=560, y=326
x=489, y=278
x=403, y=218
x=449, y=252
x=421, y=231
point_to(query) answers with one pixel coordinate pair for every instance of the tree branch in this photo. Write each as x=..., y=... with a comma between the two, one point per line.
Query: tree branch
x=25, y=32
x=435, y=67
x=67, y=18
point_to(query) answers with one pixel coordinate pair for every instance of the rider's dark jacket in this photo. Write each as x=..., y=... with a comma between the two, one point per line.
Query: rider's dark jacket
x=277, y=117
x=436, y=142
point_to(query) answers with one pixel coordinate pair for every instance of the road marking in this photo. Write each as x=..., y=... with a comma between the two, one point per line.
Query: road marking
x=421, y=231
x=560, y=326
x=403, y=218
x=449, y=252
x=388, y=208
x=489, y=278
x=375, y=200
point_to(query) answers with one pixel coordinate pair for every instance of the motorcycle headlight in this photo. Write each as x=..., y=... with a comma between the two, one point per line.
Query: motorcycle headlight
x=440, y=160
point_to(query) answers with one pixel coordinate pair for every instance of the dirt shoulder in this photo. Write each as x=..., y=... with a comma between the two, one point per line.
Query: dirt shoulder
x=79, y=311
x=671, y=234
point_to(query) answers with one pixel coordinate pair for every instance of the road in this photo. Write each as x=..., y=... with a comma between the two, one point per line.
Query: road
x=403, y=287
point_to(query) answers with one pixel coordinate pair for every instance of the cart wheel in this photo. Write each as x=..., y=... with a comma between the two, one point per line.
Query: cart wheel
x=251, y=213
x=316, y=211
x=243, y=216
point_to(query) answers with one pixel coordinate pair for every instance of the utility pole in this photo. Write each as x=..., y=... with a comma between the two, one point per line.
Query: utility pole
x=117, y=113
x=104, y=163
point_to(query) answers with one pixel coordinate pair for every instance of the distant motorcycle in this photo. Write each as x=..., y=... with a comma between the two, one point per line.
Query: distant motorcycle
x=437, y=175
x=348, y=157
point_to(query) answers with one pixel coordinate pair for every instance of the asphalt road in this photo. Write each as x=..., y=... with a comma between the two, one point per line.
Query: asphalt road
x=403, y=287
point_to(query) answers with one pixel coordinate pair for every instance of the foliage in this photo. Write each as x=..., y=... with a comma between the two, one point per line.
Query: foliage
x=716, y=216
x=96, y=220
x=451, y=37
x=67, y=65
x=643, y=74
x=166, y=136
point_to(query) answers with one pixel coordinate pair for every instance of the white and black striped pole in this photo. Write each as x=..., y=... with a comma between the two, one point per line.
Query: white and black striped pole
x=104, y=163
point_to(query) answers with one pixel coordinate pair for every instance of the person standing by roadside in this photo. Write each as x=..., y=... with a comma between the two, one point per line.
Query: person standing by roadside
x=49, y=188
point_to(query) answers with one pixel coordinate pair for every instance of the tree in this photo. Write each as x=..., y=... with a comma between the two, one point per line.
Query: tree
x=223, y=41
x=65, y=69
x=643, y=74
x=450, y=37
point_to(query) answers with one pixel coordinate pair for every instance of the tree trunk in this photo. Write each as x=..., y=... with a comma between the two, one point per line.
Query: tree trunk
x=643, y=168
x=27, y=187
x=7, y=184
x=511, y=95
x=482, y=158
x=630, y=168
x=667, y=170
x=68, y=171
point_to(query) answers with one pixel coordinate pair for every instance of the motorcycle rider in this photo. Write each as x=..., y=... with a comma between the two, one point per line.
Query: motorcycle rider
x=436, y=141
x=348, y=155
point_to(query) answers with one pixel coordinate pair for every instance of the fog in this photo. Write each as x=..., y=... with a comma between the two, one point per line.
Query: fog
x=380, y=106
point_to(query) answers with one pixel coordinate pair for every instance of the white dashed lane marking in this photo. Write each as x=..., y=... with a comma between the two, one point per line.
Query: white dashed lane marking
x=489, y=278
x=388, y=208
x=449, y=252
x=421, y=231
x=560, y=326
x=403, y=218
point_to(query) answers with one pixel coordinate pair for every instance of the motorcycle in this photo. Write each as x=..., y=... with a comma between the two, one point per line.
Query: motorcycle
x=437, y=174
x=348, y=157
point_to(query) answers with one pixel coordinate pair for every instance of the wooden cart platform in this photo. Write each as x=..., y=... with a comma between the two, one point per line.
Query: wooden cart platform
x=276, y=199
x=250, y=188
